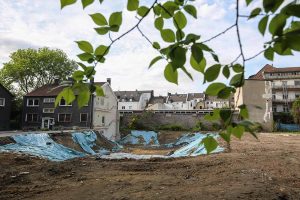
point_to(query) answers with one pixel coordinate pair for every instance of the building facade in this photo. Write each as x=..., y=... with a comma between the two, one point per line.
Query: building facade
x=133, y=100
x=285, y=85
x=5, y=107
x=39, y=111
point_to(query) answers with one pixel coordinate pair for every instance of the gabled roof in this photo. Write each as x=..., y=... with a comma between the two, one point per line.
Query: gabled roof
x=133, y=95
x=177, y=98
x=192, y=96
x=51, y=90
x=270, y=69
x=4, y=88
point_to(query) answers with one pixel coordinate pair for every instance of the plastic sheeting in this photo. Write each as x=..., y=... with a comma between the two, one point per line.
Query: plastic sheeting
x=288, y=127
x=117, y=156
x=195, y=148
x=185, y=139
x=140, y=137
x=41, y=145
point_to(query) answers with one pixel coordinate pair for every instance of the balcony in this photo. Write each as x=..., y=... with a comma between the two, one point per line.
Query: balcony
x=283, y=100
x=287, y=86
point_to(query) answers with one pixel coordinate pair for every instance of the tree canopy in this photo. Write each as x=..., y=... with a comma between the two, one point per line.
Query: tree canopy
x=29, y=69
x=296, y=111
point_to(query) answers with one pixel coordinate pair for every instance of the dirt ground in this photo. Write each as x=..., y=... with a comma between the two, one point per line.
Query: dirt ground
x=264, y=169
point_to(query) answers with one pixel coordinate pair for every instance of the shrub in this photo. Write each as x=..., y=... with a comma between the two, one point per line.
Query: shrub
x=172, y=127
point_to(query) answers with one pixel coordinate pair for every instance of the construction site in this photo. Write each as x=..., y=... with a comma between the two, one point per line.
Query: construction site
x=148, y=165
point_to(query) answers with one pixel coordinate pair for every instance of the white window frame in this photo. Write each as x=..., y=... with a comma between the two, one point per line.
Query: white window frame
x=44, y=110
x=87, y=117
x=49, y=100
x=33, y=102
x=26, y=117
x=65, y=104
x=58, y=119
x=3, y=102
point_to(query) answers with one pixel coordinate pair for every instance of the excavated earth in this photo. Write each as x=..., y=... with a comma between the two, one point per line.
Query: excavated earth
x=268, y=168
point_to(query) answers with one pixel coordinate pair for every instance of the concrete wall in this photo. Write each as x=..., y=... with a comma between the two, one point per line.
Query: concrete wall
x=252, y=95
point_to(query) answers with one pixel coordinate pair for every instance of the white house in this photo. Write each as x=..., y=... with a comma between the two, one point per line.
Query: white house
x=212, y=102
x=133, y=100
x=105, y=114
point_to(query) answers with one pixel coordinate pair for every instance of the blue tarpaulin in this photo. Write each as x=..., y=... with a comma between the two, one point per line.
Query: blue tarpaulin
x=184, y=139
x=87, y=140
x=195, y=148
x=41, y=145
x=288, y=127
x=140, y=137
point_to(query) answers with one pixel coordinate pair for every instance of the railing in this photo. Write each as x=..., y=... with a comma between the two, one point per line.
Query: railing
x=286, y=86
x=283, y=100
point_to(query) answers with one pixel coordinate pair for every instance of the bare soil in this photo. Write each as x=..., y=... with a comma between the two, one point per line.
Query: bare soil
x=268, y=168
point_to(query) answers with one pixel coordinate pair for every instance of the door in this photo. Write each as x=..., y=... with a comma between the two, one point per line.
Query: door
x=47, y=123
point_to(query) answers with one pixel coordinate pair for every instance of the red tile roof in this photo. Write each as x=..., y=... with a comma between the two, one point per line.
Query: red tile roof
x=270, y=69
x=51, y=90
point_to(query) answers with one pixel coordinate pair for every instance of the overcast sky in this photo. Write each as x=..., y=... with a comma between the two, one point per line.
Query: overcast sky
x=39, y=23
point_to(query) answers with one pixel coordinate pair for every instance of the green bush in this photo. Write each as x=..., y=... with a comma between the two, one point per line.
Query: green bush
x=172, y=127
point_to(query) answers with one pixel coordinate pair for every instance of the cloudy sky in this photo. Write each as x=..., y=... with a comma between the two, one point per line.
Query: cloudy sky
x=39, y=23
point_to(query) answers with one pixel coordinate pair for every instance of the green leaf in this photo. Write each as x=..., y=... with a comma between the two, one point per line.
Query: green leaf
x=225, y=137
x=197, y=52
x=238, y=131
x=102, y=30
x=224, y=93
x=85, y=46
x=210, y=144
x=225, y=115
x=99, y=91
x=212, y=73
x=179, y=20
x=171, y=75
x=115, y=19
x=101, y=50
x=248, y=2
x=191, y=10
x=262, y=25
x=157, y=10
x=215, y=56
x=238, y=80
x=83, y=97
x=214, y=88
x=271, y=5
x=156, y=45
x=99, y=19
x=168, y=9
x=179, y=34
x=238, y=68
x=200, y=67
x=192, y=38
x=142, y=11
x=254, y=13
x=78, y=75
x=89, y=72
x=85, y=56
x=167, y=35
x=269, y=53
x=293, y=10
x=154, y=61
x=132, y=5
x=215, y=116
x=159, y=23
x=86, y=3
x=114, y=28
x=277, y=24
x=67, y=94
x=178, y=57
x=226, y=71
x=65, y=3
x=244, y=111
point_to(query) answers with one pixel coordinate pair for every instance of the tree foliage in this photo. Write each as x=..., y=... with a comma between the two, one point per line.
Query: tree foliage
x=296, y=111
x=180, y=49
x=29, y=69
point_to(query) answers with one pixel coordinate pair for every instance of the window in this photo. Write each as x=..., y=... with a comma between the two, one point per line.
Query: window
x=64, y=103
x=31, y=118
x=297, y=96
x=83, y=117
x=297, y=82
x=103, y=120
x=285, y=96
x=102, y=101
x=49, y=100
x=32, y=102
x=2, y=102
x=130, y=107
x=64, y=117
x=48, y=110
x=123, y=107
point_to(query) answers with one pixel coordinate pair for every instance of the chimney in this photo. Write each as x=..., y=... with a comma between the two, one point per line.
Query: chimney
x=109, y=81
